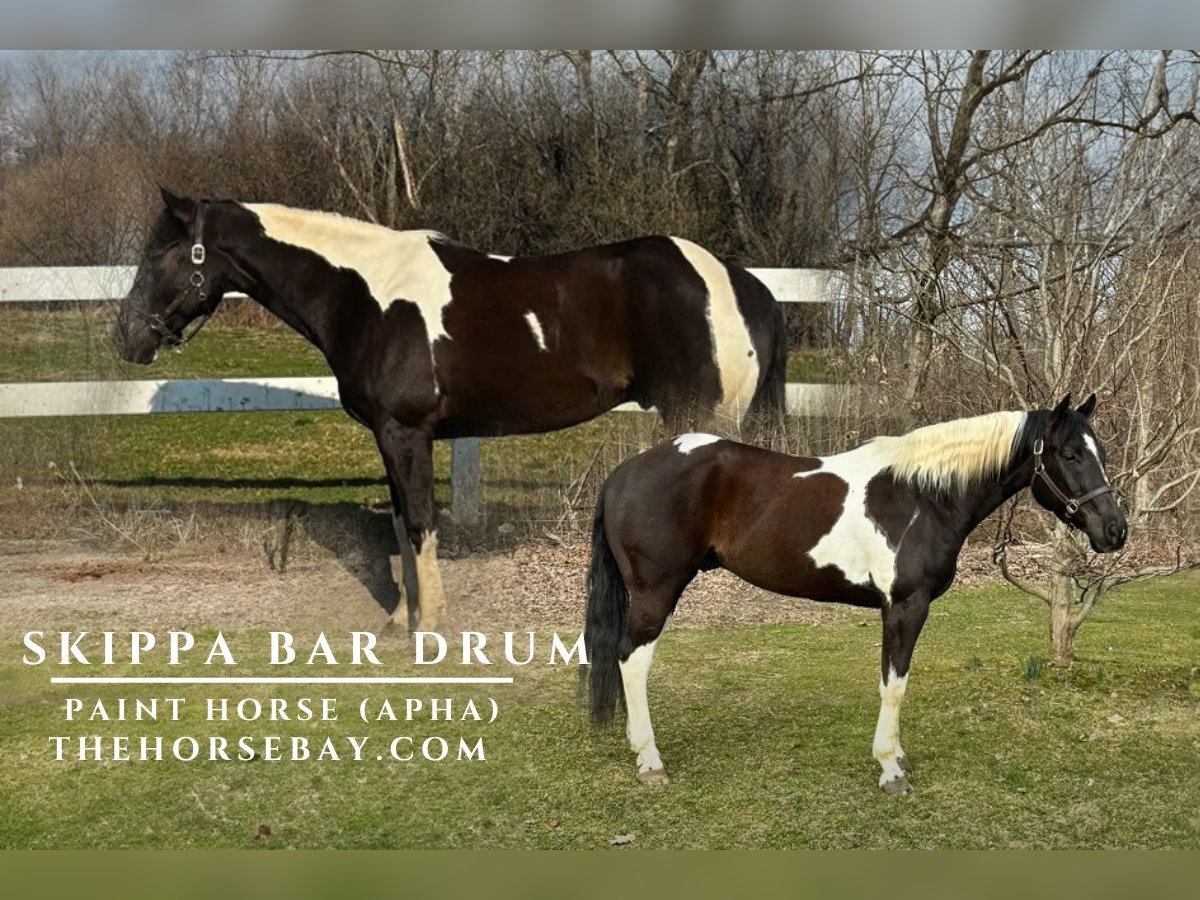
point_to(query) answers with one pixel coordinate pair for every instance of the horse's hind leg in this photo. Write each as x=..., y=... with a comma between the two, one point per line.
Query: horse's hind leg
x=635, y=672
x=648, y=613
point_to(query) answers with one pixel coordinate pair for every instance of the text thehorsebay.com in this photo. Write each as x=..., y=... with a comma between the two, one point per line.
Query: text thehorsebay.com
x=138, y=696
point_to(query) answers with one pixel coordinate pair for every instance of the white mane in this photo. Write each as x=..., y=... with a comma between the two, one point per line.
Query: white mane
x=394, y=264
x=318, y=231
x=952, y=455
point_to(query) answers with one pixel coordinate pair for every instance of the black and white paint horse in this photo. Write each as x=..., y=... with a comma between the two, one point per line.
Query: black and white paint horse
x=878, y=526
x=430, y=339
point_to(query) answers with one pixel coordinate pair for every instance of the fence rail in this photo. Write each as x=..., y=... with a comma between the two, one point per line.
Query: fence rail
x=92, y=284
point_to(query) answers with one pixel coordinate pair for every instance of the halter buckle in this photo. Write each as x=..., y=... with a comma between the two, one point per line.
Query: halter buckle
x=196, y=278
x=198, y=254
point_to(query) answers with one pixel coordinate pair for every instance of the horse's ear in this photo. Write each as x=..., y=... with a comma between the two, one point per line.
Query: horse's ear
x=1056, y=414
x=182, y=208
x=1088, y=406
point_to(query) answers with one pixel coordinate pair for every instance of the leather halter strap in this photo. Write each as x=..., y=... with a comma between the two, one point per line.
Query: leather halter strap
x=1071, y=504
x=198, y=254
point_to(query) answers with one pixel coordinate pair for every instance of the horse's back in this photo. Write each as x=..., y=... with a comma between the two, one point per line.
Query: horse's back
x=654, y=320
x=699, y=330
x=768, y=517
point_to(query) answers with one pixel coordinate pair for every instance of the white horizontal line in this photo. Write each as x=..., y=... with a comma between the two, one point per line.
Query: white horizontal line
x=282, y=680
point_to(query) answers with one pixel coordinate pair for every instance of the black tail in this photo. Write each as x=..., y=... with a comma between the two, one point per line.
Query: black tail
x=768, y=332
x=606, y=633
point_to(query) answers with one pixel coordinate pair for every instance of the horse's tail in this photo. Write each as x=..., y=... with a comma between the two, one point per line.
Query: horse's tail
x=769, y=404
x=606, y=632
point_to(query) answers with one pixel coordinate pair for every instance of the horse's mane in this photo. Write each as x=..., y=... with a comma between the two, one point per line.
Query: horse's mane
x=952, y=455
x=319, y=231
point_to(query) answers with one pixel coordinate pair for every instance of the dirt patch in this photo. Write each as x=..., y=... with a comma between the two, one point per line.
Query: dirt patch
x=93, y=570
x=58, y=584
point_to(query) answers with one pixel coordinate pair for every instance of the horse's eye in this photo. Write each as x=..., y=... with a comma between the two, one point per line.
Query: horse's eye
x=1069, y=455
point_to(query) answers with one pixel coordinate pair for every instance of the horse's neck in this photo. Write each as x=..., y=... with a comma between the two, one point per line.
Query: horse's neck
x=984, y=498
x=289, y=299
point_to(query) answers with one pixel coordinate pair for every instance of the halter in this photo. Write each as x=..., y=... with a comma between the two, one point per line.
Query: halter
x=1071, y=504
x=158, y=322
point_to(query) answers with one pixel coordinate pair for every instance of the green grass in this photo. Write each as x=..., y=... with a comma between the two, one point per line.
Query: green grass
x=766, y=732
x=73, y=345
x=317, y=457
x=811, y=367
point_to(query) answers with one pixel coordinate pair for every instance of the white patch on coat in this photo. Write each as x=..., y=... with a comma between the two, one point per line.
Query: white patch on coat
x=396, y=265
x=536, y=327
x=686, y=443
x=635, y=672
x=855, y=545
x=499, y=258
x=1090, y=443
x=737, y=364
x=886, y=747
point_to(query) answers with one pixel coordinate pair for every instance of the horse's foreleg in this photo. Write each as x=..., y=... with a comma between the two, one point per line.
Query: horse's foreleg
x=902, y=622
x=408, y=584
x=408, y=455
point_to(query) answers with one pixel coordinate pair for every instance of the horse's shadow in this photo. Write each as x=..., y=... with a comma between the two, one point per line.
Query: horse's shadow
x=360, y=539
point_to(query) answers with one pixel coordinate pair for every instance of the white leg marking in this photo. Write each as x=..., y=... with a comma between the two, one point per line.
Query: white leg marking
x=737, y=363
x=634, y=673
x=536, y=327
x=686, y=443
x=429, y=579
x=886, y=748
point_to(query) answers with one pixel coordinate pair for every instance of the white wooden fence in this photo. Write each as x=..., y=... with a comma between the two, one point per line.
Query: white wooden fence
x=85, y=284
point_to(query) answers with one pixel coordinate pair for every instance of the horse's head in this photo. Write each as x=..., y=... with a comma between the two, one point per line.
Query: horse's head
x=1069, y=477
x=179, y=280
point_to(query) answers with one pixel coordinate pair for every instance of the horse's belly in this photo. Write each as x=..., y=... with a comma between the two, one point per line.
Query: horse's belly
x=825, y=584
x=527, y=399
x=846, y=565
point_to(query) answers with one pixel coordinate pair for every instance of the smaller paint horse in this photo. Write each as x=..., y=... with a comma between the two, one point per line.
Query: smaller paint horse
x=878, y=526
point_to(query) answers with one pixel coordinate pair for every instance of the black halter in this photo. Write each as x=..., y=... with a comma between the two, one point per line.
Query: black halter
x=1071, y=504
x=158, y=322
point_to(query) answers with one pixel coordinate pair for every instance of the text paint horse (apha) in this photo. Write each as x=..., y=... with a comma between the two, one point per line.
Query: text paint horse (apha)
x=431, y=339
x=879, y=526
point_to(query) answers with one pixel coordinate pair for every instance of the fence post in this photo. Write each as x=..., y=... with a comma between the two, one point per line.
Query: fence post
x=464, y=480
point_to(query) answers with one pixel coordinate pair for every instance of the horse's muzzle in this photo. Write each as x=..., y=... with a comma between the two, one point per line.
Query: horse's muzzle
x=135, y=342
x=1113, y=537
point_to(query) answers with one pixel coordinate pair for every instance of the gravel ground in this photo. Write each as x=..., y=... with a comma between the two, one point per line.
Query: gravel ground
x=59, y=584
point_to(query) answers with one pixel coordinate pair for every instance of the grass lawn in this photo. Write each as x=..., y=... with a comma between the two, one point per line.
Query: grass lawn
x=318, y=457
x=766, y=732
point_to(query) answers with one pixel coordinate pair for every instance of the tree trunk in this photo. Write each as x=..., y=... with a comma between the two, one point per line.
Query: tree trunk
x=1062, y=627
x=1064, y=624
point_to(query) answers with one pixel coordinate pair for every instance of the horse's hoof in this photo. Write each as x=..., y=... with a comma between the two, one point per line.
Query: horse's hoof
x=897, y=787
x=905, y=764
x=392, y=631
x=654, y=777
